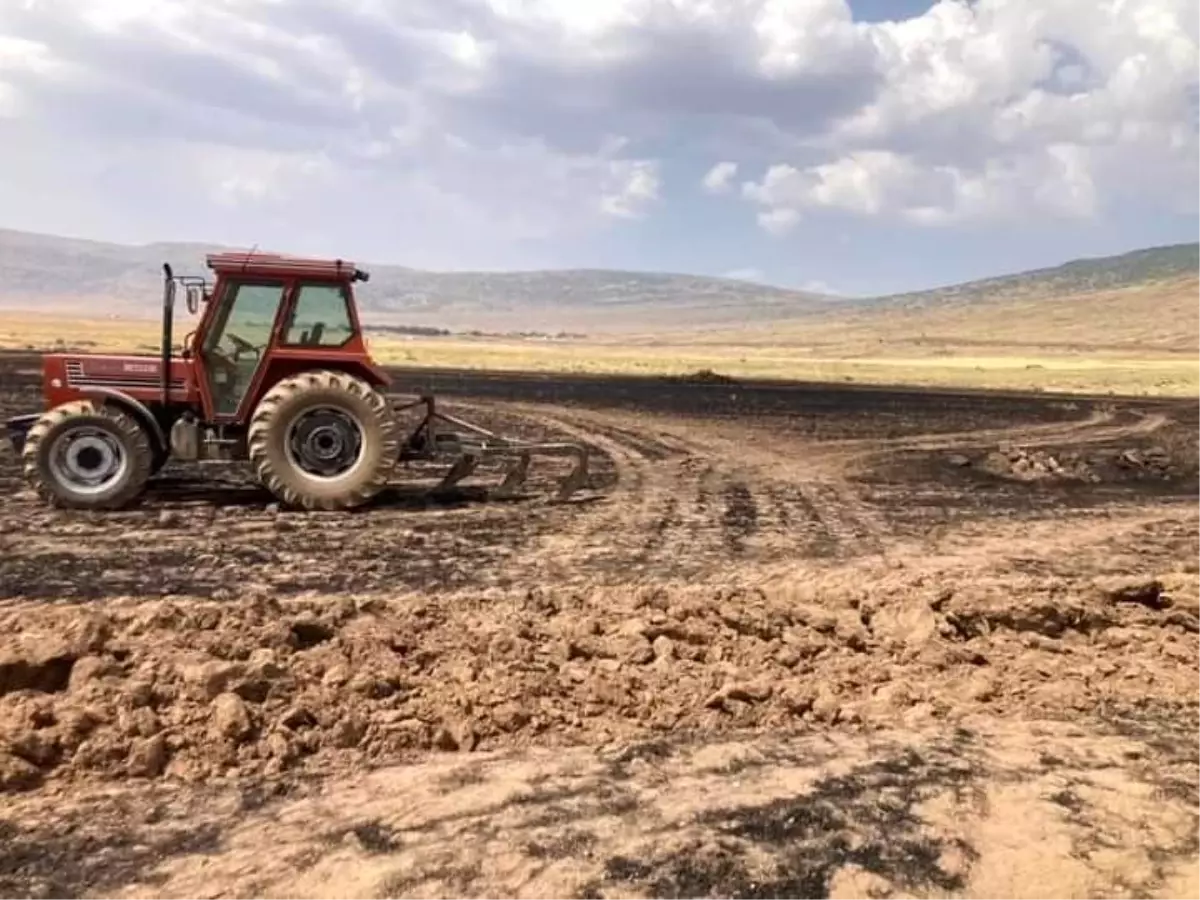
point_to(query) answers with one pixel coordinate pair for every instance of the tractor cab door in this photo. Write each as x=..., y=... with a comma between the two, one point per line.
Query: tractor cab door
x=237, y=342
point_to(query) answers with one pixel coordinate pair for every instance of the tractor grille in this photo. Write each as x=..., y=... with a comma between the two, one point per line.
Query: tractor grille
x=77, y=378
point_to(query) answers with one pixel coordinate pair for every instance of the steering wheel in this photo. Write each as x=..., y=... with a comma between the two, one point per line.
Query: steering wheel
x=228, y=364
x=242, y=345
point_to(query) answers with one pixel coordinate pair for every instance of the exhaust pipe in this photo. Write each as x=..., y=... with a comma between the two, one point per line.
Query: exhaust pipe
x=167, y=328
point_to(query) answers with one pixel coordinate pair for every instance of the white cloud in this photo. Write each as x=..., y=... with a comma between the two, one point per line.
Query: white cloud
x=266, y=105
x=718, y=179
x=814, y=36
x=459, y=132
x=635, y=186
x=779, y=220
x=1009, y=110
x=880, y=182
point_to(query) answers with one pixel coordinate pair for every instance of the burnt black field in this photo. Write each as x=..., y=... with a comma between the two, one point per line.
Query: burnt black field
x=687, y=477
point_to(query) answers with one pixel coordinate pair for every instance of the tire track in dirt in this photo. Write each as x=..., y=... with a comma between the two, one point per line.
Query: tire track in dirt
x=805, y=504
x=740, y=517
x=644, y=527
x=851, y=516
x=612, y=532
x=683, y=488
x=705, y=489
x=688, y=501
x=964, y=437
x=670, y=496
x=1101, y=425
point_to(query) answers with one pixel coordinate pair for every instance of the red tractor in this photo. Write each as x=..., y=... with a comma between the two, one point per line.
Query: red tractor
x=276, y=373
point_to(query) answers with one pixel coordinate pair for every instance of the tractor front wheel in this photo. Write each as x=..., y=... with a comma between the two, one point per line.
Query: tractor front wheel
x=323, y=440
x=88, y=455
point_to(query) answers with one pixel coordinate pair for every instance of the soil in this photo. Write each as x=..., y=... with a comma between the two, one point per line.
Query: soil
x=790, y=641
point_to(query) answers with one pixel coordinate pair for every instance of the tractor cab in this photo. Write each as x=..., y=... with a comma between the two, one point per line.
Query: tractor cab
x=266, y=317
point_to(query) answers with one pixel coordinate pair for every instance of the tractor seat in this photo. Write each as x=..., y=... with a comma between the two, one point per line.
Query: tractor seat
x=312, y=338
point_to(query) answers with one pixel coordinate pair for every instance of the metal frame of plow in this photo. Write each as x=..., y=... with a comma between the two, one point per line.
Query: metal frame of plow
x=475, y=443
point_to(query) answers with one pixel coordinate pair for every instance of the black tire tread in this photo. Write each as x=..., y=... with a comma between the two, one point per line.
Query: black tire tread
x=265, y=420
x=137, y=444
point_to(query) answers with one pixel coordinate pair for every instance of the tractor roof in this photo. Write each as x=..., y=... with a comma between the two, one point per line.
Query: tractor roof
x=274, y=265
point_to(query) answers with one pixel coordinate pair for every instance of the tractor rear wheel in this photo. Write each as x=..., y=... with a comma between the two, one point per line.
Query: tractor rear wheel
x=323, y=440
x=88, y=455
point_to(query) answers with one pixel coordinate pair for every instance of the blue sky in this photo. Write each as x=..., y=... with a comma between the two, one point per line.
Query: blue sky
x=879, y=146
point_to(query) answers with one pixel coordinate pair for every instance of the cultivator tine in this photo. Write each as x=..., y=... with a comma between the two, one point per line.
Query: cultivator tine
x=514, y=478
x=574, y=481
x=463, y=467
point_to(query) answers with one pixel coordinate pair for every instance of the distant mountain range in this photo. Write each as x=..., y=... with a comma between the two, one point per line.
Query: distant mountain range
x=39, y=271
x=1104, y=273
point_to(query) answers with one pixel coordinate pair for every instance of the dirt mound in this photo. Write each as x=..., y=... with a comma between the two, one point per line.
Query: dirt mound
x=1037, y=465
x=705, y=376
x=194, y=689
x=1111, y=464
x=1154, y=461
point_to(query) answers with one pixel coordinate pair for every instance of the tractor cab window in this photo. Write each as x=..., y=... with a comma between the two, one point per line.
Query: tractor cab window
x=238, y=341
x=320, y=317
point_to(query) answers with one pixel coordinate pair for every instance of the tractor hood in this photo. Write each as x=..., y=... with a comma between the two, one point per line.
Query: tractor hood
x=129, y=377
x=75, y=376
x=78, y=371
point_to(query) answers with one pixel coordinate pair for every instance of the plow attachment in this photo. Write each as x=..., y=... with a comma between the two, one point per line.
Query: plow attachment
x=435, y=439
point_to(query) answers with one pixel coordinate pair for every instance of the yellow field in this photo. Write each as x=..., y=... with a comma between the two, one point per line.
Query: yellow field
x=1155, y=316
x=787, y=356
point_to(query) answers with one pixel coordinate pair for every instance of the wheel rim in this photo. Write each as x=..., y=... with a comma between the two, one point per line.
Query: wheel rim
x=325, y=442
x=88, y=460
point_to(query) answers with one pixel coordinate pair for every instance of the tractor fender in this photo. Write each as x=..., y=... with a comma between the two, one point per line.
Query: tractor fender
x=137, y=409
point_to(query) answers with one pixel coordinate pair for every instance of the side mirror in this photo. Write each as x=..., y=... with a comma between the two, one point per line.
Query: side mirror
x=195, y=296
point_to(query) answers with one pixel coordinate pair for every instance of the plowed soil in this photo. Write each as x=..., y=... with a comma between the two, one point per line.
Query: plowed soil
x=790, y=641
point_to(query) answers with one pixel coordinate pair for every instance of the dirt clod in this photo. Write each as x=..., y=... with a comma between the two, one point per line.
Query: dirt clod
x=209, y=678
x=742, y=692
x=230, y=718
x=1147, y=592
x=17, y=774
x=1034, y=464
x=148, y=757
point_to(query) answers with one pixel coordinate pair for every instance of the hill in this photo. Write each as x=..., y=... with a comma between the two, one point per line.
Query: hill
x=1079, y=276
x=48, y=272
x=1139, y=302
x=1141, y=299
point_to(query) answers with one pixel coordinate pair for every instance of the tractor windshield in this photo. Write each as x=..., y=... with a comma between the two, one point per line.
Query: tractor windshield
x=238, y=341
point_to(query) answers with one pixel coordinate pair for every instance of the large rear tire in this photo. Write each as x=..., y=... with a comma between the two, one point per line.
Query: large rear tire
x=88, y=455
x=323, y=440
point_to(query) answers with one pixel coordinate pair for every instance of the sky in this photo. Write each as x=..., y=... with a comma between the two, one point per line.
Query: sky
x=857, y=148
